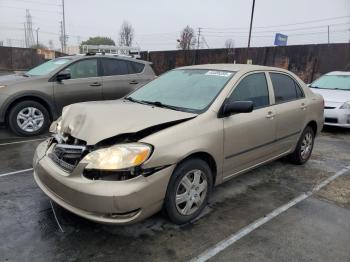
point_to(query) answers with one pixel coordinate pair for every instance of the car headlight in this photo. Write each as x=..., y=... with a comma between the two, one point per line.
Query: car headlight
x=56, y=126
x=118, y=157
x=346, y=105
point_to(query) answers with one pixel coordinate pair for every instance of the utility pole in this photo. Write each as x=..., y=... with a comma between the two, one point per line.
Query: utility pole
x=61, y=35
x=198, y=37
x=328, y=34
x=251, y=24
x=63, y=28
x=37, y=37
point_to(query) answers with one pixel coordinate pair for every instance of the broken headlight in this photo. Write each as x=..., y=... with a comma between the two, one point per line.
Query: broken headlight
x=118, y=157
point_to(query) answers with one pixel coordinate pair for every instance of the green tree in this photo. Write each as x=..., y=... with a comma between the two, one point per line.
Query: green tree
x=99, y=40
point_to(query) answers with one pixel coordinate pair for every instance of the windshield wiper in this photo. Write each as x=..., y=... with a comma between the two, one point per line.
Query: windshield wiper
x=133, y=100
x=160, y=104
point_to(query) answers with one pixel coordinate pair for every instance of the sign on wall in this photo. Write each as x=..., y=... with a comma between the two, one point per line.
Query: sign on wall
x=281, y=39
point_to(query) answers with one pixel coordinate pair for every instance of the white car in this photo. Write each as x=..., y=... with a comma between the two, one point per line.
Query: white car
x=335, y=89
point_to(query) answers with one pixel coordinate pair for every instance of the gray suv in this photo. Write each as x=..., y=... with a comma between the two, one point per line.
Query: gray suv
x=29, y=102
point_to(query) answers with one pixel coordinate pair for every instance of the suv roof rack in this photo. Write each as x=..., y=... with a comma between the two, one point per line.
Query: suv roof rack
x=128, y=51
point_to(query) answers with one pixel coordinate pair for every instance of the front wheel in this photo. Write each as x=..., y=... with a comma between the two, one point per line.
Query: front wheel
x=188, y=191
x=304, y=147
x=28, y=118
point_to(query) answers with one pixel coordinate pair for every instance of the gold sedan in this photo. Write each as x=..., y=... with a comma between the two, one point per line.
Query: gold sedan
x=167, y=144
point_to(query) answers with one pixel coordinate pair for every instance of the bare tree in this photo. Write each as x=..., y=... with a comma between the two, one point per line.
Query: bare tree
x=126, y=34
x=229, y=44
x=187, y=39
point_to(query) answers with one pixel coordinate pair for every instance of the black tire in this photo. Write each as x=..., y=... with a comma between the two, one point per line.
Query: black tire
x=296, y=157
x=15, y=110
x=170, y=200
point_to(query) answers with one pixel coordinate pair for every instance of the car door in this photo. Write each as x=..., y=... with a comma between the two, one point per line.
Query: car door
x=249, y=137
x=290, y=106
x=119, y=77
x=85, y=84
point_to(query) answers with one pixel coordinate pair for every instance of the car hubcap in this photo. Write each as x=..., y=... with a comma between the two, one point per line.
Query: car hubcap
x=191, y=192
x=306, y=146
x=30, y=119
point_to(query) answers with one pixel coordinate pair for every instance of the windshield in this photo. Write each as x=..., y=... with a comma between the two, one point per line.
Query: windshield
x=191, y=90
x=341, y=82
x=47, y=67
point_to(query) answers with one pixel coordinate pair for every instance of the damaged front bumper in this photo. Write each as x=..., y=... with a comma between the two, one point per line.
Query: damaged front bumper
x=114, y=202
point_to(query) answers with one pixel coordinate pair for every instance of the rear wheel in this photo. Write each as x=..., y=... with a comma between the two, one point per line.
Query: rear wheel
x=304, y=147
x=28, y=118
x=188, y=191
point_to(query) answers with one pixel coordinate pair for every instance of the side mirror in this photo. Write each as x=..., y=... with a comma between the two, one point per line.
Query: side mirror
x=237, y=107
x=63, y=75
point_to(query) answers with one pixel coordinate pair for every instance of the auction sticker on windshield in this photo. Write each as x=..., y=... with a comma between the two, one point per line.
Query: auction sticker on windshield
x=218, y=73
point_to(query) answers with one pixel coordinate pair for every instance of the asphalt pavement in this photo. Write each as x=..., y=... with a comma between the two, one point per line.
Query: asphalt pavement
x=315, y=229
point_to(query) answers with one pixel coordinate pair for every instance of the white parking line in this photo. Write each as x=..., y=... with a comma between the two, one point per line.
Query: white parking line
x=211, y=252
x=16, y=172
x=20, y=142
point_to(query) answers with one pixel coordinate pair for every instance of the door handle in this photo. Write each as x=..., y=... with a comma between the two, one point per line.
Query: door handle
x=303, y=106
x=133, y=82
x=270, y=115
x=95, y=84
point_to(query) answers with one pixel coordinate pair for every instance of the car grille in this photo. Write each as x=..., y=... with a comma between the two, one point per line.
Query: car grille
x=331, y=120
x=67, y=156
x=329, y=107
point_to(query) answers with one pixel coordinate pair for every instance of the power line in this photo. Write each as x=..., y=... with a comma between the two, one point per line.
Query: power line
x=253, y=36
x=286, y=30
x=269, y=26
x=23, y=8
x=35, y=2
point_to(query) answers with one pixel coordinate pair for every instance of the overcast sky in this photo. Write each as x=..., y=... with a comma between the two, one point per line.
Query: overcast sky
x=158, y=23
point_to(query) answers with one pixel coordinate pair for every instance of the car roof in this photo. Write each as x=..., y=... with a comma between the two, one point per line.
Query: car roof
x=338, y=73
x=234, y=67
x=78, y=57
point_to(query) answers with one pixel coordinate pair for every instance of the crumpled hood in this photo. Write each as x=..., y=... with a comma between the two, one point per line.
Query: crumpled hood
x=96, y=121
x=337, y=96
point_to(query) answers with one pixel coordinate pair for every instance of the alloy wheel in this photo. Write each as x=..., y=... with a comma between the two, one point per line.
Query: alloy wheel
x=30, y=119
x=306, y=145
x=191, y=192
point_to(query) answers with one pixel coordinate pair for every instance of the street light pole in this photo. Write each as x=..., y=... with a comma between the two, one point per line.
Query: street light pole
x=251, y=24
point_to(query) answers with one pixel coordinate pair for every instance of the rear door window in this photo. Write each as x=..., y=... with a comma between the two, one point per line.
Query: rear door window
x=114, y=67
x=300, y=93
x=252, y=88
x=285, y=88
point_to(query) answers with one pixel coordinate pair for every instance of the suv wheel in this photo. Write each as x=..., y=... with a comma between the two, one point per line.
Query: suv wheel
x=28, y=118
x=188, y=191
x=304, y=147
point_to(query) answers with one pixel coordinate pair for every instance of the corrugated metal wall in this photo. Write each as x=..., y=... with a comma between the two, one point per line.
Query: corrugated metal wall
x=13, y=58
x=307, y=61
